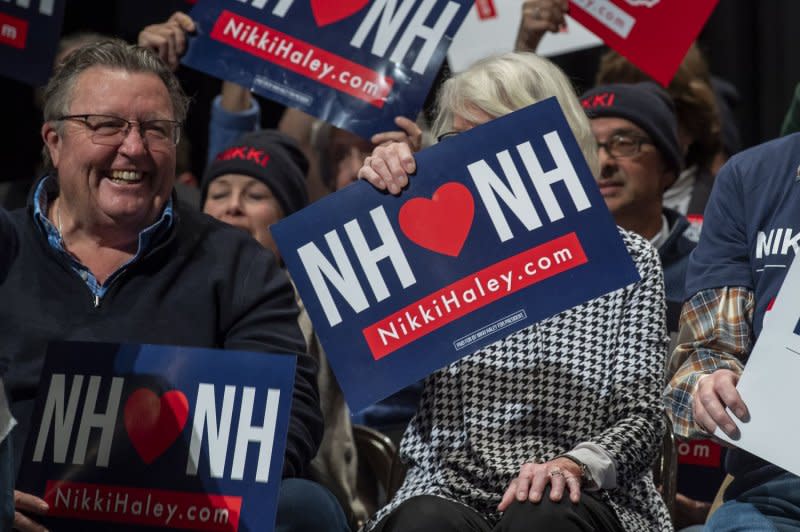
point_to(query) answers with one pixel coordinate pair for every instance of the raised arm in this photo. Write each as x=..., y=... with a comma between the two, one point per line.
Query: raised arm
x=168, y=39
x=539, y=17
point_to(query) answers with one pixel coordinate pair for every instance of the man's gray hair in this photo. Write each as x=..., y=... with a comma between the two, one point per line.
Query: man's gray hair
x=505, y=83
x=114, y=54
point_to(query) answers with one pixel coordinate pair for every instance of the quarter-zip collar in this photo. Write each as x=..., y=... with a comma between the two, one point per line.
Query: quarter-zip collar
x=47, y=190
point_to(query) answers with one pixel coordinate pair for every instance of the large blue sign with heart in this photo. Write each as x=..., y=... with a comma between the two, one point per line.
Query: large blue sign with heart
x=354, y=63
x=502, y=226
x=132, y=437
x=29, y=34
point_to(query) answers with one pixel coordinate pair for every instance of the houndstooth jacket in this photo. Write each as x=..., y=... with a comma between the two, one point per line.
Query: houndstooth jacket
x=593, y=373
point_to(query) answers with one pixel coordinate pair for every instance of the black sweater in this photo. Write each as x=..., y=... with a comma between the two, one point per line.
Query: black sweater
x=204, y=284
x=8, y=243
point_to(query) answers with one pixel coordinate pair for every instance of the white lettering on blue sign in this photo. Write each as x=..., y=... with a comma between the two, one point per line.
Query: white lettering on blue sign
x=205, y=414
x=341, y=274
x=63, y=419
x=515, y=196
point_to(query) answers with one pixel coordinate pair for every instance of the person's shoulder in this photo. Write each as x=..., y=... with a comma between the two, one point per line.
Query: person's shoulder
x=644, y=255
x=764, y=162
x=770, y=147
x=636, y=244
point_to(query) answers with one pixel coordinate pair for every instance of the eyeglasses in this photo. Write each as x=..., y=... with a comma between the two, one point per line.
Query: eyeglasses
x=623, y=145
x=110, y=130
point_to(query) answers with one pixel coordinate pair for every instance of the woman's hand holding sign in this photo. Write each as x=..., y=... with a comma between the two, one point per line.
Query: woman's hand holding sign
x=390, y=163
x=389, y=166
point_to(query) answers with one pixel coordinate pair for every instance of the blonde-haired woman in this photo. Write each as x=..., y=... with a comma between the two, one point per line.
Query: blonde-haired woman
x=555, y=427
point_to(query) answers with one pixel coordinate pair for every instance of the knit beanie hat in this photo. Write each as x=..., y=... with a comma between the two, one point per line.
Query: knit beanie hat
x=645, y=104
x=271, y=157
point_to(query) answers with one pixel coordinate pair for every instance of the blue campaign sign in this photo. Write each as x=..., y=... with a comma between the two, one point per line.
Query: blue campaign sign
x=29, y=34
x=354, y=63
x=128, y=437
x=502, y=226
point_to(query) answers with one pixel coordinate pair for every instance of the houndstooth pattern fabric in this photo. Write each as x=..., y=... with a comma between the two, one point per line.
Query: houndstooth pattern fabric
x=590, y=374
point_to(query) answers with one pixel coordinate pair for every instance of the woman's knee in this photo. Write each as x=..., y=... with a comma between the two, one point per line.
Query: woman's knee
x=427, y=513
x=561, y=516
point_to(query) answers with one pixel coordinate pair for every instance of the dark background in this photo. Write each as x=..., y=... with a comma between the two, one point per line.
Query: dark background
x=747, y=42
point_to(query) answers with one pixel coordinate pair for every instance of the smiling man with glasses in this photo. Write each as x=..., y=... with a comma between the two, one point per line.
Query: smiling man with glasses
x=108, y=255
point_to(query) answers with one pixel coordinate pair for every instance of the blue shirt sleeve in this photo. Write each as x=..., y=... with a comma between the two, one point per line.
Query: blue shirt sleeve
x=225, y=127
x=721, y=257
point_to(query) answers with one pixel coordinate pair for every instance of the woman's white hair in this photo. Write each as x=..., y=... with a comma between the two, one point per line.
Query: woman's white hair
x=501, y=84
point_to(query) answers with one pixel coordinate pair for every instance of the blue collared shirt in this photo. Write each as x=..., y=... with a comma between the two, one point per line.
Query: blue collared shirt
x=147, y=237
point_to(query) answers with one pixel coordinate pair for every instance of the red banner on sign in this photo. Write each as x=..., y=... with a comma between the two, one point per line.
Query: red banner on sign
x=303, y=58
x=473, y=292
x=485, y=9
x=705, y=453
x=13, y=31
x=653, y=34
x=141, y=506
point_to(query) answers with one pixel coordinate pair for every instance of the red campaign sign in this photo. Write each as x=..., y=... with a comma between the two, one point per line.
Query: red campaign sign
x=705, y=453
x=653, y=34
x=486, y=9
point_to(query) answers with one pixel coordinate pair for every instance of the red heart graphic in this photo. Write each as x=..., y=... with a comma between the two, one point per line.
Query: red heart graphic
x=330, y=11
x=154, y=424
x=442, y=223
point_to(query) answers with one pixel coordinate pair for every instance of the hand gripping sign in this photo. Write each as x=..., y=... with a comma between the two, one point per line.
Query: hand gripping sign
x=354, y=63
x=130, y=437
x=653, y=34
x=502, y=226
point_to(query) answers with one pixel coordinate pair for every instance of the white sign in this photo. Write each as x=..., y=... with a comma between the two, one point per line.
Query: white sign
x=482, y=35
x=768, y=384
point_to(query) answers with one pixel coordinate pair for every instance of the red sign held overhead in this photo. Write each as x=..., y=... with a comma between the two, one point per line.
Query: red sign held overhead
x=653, y=34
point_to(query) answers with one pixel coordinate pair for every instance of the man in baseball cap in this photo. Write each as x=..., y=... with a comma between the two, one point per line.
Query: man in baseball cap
x=640, y=157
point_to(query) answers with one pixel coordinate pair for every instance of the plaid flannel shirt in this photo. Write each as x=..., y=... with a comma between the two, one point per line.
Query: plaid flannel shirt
x=716, y=332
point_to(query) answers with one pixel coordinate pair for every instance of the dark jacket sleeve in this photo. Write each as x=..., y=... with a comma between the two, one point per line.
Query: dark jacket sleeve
x=265, y=319
x=8, y=244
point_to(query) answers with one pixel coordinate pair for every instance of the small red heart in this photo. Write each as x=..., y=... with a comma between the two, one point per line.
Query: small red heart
x=442, y=223
x=330, y=11
x=154, y=423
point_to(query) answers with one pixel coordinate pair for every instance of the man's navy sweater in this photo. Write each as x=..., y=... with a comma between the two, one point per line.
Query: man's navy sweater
x=204, y=284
